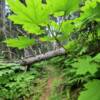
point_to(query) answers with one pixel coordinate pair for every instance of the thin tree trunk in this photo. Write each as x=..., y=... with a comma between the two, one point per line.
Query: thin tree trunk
x=3, y=24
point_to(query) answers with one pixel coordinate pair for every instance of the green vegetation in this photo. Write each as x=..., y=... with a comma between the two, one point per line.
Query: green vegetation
x=72, y=25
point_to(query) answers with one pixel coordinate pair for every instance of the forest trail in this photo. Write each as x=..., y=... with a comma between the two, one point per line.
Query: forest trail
x=53, y=76
x=47, y=90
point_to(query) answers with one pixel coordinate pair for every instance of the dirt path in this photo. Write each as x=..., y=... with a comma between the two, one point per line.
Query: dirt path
x=49, y=87
x=47, y=90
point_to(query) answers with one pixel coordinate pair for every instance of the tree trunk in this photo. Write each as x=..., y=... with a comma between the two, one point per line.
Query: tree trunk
x=3, y=24
x=41, y=57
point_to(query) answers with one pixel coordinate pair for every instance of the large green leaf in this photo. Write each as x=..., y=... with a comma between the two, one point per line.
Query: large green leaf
x=67, y=28
x=90, y=11
x=97, y=58
x=30, y=16
x=71, y=46
x=85, y=65
x=92, y=91
x=55, y=25
x=47, y=39
x=20, y=42
x=63, y=5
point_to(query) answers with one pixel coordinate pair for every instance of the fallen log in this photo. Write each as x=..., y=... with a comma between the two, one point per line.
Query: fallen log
x=41, y=57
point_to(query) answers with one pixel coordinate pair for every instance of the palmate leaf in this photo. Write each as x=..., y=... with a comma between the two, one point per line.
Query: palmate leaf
x=30, y=16
x=54, y=25
x=90, y=11
x=92, y=91
x=67, y=28
x=47, y=39
x=97, y=58
x=62, y=5
x=84, y=66
x=71, y=46
x=20, y=42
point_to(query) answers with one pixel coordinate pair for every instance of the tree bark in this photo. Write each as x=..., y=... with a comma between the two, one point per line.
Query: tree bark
x=41, y=57
x=3, y=25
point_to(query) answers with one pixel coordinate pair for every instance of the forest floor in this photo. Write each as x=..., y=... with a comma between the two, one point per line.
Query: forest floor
x=49, y=84
x=53, y=75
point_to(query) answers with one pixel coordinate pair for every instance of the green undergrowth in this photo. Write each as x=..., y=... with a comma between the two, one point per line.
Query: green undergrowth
x=17, y=83
x=64, y=78
x=75, y=76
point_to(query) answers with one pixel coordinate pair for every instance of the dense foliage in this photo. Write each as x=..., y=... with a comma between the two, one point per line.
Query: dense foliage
x=78, y=32
x=14, y=82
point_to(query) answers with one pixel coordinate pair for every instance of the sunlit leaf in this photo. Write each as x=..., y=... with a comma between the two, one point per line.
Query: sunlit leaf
x=20, y=42
x=97, y=57
x=92, y=91
x=30, y=16
x=63, y=5
x=67, y=28
x=84, y=66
